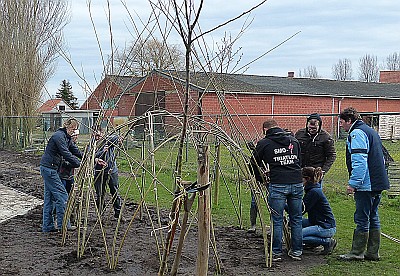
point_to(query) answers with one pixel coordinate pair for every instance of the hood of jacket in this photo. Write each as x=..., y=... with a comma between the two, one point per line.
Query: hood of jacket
x=315, y=116
x=279, y=136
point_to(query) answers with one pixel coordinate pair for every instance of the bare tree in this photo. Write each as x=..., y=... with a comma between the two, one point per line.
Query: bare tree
x=342, y=70
x=186, y=17
x=299, y=73
x=144, y=55
x=368, y=68
x=226, y=55
x=30, y=39
x=393, y=62
x=309, y=72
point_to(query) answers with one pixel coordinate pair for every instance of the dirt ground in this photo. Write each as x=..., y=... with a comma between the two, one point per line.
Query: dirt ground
x=24, y=250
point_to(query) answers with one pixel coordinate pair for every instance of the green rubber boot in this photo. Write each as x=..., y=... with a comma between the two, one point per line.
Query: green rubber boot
x=360, y=240
x=374, y=242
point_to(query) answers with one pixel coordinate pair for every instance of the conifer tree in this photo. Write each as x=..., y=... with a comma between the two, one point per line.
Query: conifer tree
x=65, y=93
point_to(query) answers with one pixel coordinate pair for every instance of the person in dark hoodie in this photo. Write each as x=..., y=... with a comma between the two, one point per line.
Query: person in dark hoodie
x=59, y=147
x=107, y=173
x=317, y=146
x=66, y=172
x=281, y=152
x=320, y=225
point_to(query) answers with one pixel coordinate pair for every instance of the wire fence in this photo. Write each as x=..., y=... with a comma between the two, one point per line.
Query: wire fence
x=31, y=134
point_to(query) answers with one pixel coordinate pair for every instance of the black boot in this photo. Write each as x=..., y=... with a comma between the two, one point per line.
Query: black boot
x=374, y=242
x=253, y=219
x=358, y=247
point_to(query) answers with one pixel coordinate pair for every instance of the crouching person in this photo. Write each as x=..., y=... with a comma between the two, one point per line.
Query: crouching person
x=320, y=226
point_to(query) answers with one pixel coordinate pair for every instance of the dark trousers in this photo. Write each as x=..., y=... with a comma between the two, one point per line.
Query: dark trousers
x=68, y=183
x=101, y=179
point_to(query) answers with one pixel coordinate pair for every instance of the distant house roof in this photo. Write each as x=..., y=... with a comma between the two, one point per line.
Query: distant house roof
x=242, y=83
x=110, y=87
x=257, y=84
x=53, y=106
x=124, y=81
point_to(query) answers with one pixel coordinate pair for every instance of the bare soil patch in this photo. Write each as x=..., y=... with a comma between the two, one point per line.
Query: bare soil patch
x=25, y=250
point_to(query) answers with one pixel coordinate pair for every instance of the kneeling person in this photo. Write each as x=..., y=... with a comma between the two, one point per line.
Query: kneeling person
x=320, y=226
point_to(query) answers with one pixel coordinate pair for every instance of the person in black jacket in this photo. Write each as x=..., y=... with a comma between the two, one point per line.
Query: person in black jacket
x=58, y=148
x=281, y=152
x=317, y=146
x=320, y=226
x=106, y=172
x=66, y=171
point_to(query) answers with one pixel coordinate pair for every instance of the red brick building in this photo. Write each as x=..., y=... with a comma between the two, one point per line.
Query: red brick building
x=389, y=77
x=247, y=100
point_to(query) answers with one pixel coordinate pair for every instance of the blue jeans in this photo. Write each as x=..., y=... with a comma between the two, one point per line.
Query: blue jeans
x=316, y=235
x=54, y=195
x=321, y=182
x=366, y=216
x=279, y=196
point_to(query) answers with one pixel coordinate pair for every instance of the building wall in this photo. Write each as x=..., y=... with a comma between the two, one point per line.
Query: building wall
x=105, y=90
x=246, y=112
x=389, y=76
x=126, y=105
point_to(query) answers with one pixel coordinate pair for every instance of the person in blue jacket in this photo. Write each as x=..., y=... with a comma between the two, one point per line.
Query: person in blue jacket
x=368, y=178
x=59, y=148
x=320, y=225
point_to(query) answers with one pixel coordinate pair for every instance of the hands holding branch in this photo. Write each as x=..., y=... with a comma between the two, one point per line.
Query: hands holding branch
x=100, y=162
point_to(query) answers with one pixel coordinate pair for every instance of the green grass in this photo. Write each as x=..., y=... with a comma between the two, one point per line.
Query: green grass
x=343, y=207
x=234, y=202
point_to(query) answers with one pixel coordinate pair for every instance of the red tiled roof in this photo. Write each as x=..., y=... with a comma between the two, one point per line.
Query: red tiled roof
x=49, y=105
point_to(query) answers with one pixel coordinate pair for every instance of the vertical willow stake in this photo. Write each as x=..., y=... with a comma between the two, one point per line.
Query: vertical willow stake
x=153, y=168
x=204, y=213
x=176, y=205
x=217, y=171
x=143, y=156
x=187, y=204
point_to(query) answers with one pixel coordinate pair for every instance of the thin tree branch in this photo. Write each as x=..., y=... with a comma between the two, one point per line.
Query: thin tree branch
x=267, y=52
x=231, y=20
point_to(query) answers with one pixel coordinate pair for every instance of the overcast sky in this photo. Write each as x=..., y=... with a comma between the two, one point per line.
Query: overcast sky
x=329, y=30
